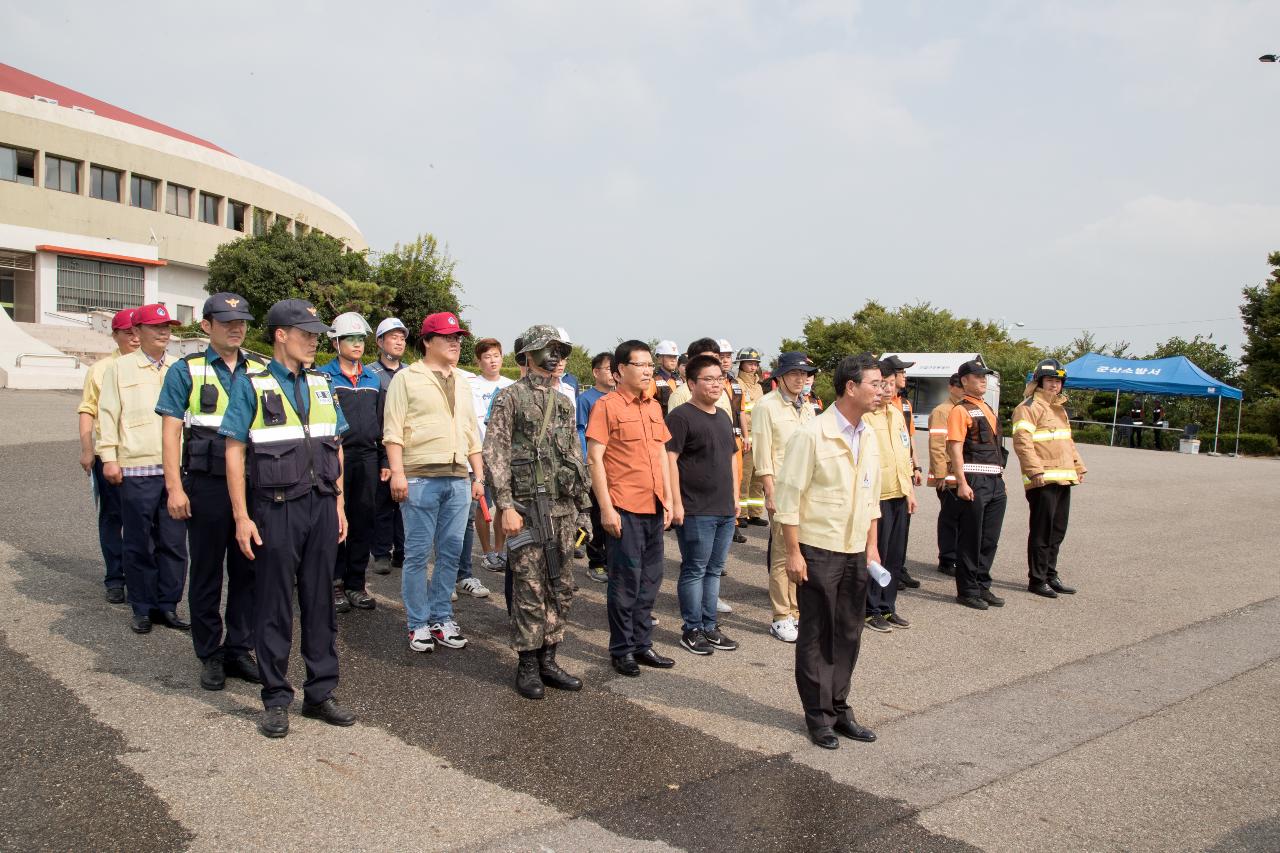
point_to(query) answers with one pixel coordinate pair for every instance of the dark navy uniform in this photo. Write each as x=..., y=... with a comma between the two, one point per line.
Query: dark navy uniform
x=197, y=391
x=388, y=529
x=292, y=427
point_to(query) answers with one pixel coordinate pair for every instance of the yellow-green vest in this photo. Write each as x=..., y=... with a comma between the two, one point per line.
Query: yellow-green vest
x=203, y=449
x=288, y=457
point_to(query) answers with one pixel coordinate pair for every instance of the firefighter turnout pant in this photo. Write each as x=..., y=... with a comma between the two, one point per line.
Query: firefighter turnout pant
x=979, y=533
x=1050, y=509
x=751, y=488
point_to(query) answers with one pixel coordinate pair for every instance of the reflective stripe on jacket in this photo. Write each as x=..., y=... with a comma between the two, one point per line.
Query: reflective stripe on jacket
x=1042, y=439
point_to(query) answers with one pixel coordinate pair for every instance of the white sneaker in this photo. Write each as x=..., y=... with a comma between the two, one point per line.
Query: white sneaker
x=448, y=634
x=453, y=596
x=420, y=640
x=722, y=606
x=473, y=587
x=653, y=620
x=784, y=630
x=492, y=561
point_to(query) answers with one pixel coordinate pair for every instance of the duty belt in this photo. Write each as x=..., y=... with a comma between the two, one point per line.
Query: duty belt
x=977, y=468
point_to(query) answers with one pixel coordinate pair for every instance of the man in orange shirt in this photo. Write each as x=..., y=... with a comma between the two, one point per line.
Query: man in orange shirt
x=977, y=459
x=626, y=448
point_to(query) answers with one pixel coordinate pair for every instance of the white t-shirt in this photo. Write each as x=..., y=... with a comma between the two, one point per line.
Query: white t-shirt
x=482, y=391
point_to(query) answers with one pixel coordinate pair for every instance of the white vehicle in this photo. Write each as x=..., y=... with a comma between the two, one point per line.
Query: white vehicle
x=927, y=381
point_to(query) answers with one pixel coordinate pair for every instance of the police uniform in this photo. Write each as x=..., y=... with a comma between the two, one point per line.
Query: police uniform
x=197, y=391
x=292, y=428
x=977, y=427
x=531, y=447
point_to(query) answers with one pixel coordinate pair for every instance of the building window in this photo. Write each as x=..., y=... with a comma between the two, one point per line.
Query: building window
x=209, y=208
x=104, y=183
x=17, y=165
x=177, y=200
x=142, y=192
x=288, y=226
x=185, y=314
x=260, y=219
x=85, y=285
x=8, y=291
x=299, y=229
x=235, y=215
x=62, y=175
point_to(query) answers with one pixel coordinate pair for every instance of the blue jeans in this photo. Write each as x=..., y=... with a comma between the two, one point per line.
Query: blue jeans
x=468, y=542
x=704, y=546
x=434, y=517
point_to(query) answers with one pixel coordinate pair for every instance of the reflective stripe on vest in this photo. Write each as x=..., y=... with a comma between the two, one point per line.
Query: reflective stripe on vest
x=202, y=374
x=322, y=413
x=1057, y=475
x=936, y=431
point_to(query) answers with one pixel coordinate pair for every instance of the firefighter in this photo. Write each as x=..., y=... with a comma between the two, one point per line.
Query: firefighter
x=943, y=479
x=752, y=489
x=1050, y=467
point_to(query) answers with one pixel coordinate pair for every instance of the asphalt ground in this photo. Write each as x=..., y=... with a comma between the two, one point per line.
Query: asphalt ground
x=1137, y=715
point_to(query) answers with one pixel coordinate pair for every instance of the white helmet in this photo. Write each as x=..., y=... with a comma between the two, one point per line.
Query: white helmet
x=390, y=324
x=667, y=348
x=726, y=348
x=349, y=323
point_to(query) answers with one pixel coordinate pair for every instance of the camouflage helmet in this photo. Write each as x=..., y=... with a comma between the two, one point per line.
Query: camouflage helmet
x=538, y=337
x=747, y=354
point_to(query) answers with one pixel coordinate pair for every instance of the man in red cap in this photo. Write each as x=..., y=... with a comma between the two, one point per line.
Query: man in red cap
x=106, y=495
x=431, y=433
x=131, y=446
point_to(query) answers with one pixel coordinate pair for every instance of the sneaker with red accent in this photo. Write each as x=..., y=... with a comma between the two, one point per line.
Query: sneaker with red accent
x=448, y=634
x=420, y=640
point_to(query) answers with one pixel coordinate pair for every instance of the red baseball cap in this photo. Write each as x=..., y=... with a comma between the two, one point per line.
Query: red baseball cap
x=442, y=323
x=122, y=320
x=154, y=314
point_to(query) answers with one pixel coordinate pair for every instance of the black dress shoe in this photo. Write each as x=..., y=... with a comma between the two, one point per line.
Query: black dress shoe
x=115, y=594
x=243, y=667
x=626, y=665
x=382, y=565
x=140, y=624
x=340, y=602
x=758, y=522
x=397, y=560
x=1042, y=589
x=330, y=712
x=909, y=582
x=972, y=601
x=360, y=599
x=824, y=738
x=850, y=729
x=170, y=619
x=947, y=569
x=739, y=536
x=1060, y=587
x=649, y=657
x=275, y=721
x=212, y=676
x=991, y=598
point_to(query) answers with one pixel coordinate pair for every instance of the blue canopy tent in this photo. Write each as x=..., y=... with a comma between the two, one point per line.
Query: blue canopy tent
x=1167, y=377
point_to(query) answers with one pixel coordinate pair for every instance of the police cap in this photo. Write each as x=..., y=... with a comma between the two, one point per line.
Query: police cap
x=226, y=307
x=298, y=313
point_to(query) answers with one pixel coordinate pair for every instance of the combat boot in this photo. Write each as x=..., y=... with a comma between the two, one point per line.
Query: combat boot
x=528, y=684
x=552, y=674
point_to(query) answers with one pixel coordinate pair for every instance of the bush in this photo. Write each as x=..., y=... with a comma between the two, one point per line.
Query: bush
x=1251, y=444
x=1091, y=434
x=1261, y=416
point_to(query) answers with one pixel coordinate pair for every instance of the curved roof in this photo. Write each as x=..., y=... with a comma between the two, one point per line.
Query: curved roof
x=18, y=82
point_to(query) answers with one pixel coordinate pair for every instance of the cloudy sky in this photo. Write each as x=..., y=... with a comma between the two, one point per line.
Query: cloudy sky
x=675, y=169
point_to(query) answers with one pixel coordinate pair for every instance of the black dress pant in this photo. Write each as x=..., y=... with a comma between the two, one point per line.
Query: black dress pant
x=948, y=526
x=110, y=533
x=388, y=528
x=211, y=535
x=833, y=607
x=891, y=539
x=635, y=574
x=359, y=490
x=1050, y=509
x=299, y=540
x=155, y=546
x=980, y=523
x=596, y=553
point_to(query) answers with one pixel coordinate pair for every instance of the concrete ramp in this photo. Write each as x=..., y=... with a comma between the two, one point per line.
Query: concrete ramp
x=28, y=363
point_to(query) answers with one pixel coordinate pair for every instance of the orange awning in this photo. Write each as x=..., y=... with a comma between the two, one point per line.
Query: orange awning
x=102, y=256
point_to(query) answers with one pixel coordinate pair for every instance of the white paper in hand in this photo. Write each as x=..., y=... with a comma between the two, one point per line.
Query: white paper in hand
x=879, y=573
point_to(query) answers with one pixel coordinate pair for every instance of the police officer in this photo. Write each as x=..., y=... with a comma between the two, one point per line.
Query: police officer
x=388, y=528
x=977, y=459
x=357, y=390
x=531, y=446
x=193, y=402
x=283, y=425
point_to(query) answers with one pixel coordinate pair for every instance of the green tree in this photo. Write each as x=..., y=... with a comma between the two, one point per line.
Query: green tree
x=279, y=265
x=1261, y=314
x=369, y=299
x=421, y=275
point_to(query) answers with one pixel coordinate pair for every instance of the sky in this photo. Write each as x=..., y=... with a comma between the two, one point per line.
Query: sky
x=667, y=169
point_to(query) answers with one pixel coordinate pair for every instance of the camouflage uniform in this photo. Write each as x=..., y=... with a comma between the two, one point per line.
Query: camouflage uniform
x=514, y=423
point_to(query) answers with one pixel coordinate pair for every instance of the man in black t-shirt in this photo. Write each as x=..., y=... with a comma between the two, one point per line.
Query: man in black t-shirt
x=705, y=476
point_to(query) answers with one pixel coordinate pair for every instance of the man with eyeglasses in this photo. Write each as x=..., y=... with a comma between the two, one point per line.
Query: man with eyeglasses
x=356, y=390
x=626, y=448
x=897, y=504
x=431, y=434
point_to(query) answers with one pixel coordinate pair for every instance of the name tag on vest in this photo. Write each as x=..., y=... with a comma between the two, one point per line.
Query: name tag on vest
x=322, y=395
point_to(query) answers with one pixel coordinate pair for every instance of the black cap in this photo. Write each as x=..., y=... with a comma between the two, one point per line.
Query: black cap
x=954, y=380
x=974, y=368
x=298, y=313
x=892, y=364
x=227, y=307
x=789, y=361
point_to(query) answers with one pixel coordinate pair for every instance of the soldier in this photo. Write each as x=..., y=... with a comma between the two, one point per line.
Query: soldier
x=542, y=490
